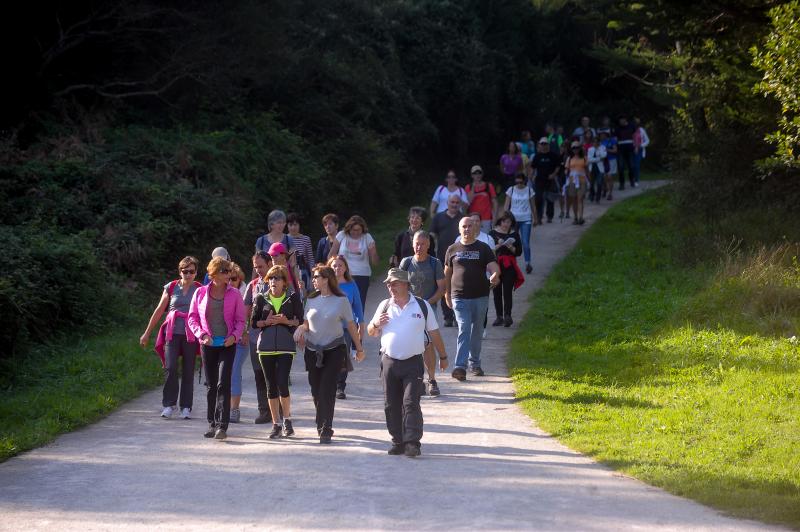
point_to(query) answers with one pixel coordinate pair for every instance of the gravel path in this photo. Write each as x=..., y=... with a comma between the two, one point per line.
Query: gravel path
x=485, y=465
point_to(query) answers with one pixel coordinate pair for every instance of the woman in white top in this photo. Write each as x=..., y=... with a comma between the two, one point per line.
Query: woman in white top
x=520, y=203
x=356, y=245
x=443, y=193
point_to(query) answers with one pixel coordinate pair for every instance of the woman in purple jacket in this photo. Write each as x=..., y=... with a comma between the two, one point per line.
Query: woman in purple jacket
x=217, y=319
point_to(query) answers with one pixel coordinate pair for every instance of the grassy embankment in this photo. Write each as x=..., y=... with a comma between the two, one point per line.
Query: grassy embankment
x=683, y=376
x=80, y=378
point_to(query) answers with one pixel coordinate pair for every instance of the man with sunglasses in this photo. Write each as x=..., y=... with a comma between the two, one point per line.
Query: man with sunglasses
x=482, y=198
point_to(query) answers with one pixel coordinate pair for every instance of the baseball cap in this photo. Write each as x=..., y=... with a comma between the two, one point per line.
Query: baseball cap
x=544, y=140
x=276, y=249
x=476, y=168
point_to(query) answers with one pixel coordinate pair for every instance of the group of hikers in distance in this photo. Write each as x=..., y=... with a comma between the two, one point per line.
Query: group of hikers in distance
x=313, y=299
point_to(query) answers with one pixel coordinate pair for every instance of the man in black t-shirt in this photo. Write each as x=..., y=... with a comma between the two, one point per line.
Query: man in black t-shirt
x=445, y=227
x=467, y=293
x=545, y=167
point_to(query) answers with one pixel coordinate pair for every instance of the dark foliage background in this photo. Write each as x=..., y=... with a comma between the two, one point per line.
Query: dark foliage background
x=136, y=132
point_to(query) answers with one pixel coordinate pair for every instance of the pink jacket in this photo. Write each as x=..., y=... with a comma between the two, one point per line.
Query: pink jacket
x=166, y=331
x=232, y=310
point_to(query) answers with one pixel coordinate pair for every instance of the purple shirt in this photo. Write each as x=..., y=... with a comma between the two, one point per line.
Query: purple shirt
x=511, y=164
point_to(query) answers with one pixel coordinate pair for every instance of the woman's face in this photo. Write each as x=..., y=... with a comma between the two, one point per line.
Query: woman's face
x=519, y=182
x=512, y=147
x=278, y=227
x=276, y=284
x=261, y=266
x=188, y=273
x=235, y=280
x=319, y=280
x=223, y=276
x=505, y=224
x=415, y=221
x=339, y=268
x=279, y=260
x=294, y=228
x=356, y=231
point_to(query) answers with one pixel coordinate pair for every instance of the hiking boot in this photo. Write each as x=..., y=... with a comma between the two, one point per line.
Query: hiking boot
x=167, y=412
x=325, y=438
x=186, y=413
x=396, y=449
x=340, y=394
x=210, y=432
x=497, y=322
x=459, y=374
x=263, y=418
x=478, y=372
x=288, y=430
x=507, y=321
x=528, y=267
x=236, y=415
x=276, y=432
x=412, y=450
x=433, y=388
x=221, y=434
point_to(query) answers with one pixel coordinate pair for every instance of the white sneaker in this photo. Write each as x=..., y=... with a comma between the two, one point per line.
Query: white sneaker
x=484, y=334
x=167, y=412
x=186, y=413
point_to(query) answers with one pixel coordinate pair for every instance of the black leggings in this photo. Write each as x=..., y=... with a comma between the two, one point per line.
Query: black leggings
x=218, y=363
x=323, y=384
x=276, y=369
x=503, y=292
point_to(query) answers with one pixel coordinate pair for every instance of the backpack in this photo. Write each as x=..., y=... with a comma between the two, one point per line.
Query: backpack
x=431, y=260
x=173, y=284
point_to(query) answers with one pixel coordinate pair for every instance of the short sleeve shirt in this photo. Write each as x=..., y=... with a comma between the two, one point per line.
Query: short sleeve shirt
x=356, y=252
x=521, y=202
x=324, y=315
x=441, y=196
x=423, y=275
x=482, y=200
x=446, y=230
x=469, y=262
x=404, y=336
x=180, y=302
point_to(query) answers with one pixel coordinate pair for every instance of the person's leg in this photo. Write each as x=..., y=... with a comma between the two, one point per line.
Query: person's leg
x=362, y=282
x=284, y=369
x=637, y=166
x=223, y=406
x=341, y=380
x=236, y=377
x=333, y=360
x=507, y=279
x=188, y=352
x=314, y=378
x=392, y=399
x=551, y=210
x=169, y=396
x=264, y=415
x=269, y=365
x=497, y=294
x=447, y=312
x=538, y=200
x=525, y=235
x=478, y=307
x=211, y=364
x=412, y=388
x=464, y=318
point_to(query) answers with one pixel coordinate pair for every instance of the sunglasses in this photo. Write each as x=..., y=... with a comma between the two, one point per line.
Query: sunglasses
x=275, y=278
x=225, y=270
x=188, y=272
x=477, y=173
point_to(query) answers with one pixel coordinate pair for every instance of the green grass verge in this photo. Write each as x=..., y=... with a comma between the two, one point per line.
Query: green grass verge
x=55, y=389
x=666, y=371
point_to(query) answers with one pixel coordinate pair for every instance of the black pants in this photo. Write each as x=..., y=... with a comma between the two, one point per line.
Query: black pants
x=625, y=160
x=218, y=363
x=179, y=347
x=258, y=372
x=362, y=282
x=447, y=312
x=540, y=199
x=323, y=384
x=276, y=370
x=402, y=388
x=503, y=292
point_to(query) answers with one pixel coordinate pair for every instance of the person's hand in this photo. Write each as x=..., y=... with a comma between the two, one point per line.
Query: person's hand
x=382, y=320
x=245, y=339
x=360, y=355
x=144, y=339
x=448, y=300
x=443, y=364
x=205, y=340
x=300, y=336
x=229, y=341
x=494, y=280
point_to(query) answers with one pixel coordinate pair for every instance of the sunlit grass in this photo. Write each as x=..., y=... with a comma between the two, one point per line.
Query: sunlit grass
x=661, y=370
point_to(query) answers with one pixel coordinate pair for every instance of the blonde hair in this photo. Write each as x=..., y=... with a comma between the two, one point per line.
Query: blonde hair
x=216, y=265
x=279, y=270
x=236, y=269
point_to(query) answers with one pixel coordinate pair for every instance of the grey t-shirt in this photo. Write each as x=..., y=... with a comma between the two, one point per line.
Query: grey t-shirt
x=180, y=302
x=423, y=275
x=215, y=316
x=324, y=315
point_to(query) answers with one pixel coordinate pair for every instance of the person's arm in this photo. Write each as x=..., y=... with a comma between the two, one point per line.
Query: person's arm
x=378, y=320
x=334, y=248
x=257, y=310
x=448, y=278
x=470, y=195
x=193, y=319
x=245, y=339
x=440, y=286
x=158, y=312
x=532, y=201
x=358, y=308
x=372, y=249
x=353, y=330
x=507, y=203
x=434, y=206
x=438, y=344
x=494, y=270
x=239, y=320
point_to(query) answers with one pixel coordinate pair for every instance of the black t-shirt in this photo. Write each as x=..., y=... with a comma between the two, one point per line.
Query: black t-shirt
x=545, y=164
x=504, y=250
x=468, y=263
x=446, y=230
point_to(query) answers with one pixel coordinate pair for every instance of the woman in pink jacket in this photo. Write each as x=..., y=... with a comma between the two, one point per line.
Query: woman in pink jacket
x=217, y=319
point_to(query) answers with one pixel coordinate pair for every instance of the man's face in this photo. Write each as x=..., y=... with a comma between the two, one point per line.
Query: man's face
x=477, y=176
x=421, y=246
x=585, y=121
x=544, y=147
x=398, y=289
x=453, y=204
x=465, y=227
x=331, y=227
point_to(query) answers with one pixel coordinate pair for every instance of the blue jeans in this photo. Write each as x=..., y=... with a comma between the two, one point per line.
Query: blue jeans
x=525, y=235
x=470, y=314
x=242, y=352
x=637, y=165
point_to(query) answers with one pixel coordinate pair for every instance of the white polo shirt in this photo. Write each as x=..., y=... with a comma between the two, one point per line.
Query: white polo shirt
x=404, y=336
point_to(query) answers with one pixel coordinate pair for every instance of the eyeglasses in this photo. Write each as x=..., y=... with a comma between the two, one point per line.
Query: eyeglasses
x=188, y=272
x=275, y=278
x=225, y=270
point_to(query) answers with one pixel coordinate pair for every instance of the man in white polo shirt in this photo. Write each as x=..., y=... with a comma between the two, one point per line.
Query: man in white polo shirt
x=401, y=323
